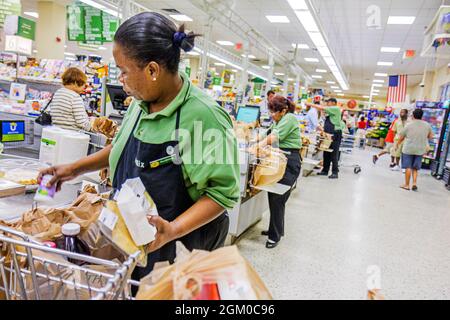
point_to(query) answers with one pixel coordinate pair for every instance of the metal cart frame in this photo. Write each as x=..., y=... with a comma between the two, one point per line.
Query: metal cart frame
x=31, y=270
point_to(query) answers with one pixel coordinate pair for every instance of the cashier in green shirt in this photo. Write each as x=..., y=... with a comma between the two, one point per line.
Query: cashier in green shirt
x=333, y=125
x=284, y=133
x=174, y=138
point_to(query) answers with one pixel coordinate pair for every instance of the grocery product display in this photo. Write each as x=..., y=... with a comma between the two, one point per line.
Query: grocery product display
x=179, y=150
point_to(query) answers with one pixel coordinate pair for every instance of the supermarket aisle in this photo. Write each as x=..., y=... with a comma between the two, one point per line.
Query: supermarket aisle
x=335, y=230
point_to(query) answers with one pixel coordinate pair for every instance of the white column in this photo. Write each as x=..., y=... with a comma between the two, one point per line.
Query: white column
x=296, y=88
x=51, y=25
x=270, y=73
x=126, y=10
x=204, y=56
x=285, y=82
x=244, y=73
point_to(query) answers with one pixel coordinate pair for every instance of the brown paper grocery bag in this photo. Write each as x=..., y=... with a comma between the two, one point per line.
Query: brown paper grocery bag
x=270, y=170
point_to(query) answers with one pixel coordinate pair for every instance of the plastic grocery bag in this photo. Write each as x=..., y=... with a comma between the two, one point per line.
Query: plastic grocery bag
x=194, y=272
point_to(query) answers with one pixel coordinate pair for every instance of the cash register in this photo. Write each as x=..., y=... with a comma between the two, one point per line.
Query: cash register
x=117, y=96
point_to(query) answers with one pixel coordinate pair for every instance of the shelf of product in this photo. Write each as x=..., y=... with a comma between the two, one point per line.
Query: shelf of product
x=436, y=116
x=42, y=78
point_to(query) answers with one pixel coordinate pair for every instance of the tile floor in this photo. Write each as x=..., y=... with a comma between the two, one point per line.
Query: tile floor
x=341, y=234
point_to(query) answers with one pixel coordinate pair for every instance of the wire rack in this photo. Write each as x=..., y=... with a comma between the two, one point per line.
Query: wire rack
x=30, y=270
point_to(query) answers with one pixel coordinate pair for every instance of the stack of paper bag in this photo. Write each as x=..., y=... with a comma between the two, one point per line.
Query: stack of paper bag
x=194, y=271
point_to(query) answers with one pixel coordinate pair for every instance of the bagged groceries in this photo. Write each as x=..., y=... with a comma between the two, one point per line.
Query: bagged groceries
x=222, y=274
x=271, y=167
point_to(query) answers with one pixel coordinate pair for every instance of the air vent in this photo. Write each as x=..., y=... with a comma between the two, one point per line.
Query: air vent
x=174, y=11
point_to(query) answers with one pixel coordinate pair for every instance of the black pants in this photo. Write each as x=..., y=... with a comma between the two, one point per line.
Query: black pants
x=277, y=203
x=333, y=157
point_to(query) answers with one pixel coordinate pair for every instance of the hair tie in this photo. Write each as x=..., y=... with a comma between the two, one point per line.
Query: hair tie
x=178, y=38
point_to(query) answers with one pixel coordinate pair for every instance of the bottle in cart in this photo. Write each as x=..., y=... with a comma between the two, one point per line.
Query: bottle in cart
x=72, y=243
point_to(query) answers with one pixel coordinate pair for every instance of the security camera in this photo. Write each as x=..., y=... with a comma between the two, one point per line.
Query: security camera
x=422, y=84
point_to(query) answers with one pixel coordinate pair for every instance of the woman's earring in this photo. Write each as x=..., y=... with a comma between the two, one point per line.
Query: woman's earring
x=154, y=79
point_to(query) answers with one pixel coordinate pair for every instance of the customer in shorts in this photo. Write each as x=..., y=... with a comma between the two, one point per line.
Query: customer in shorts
x=415, y=136
x=388, y=147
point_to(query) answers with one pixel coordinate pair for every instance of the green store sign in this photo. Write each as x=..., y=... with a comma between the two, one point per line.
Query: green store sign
x=26, y=28
x=90, y=25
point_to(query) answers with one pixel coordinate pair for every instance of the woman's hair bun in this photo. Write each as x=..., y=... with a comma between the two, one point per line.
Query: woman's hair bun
x=183, y=40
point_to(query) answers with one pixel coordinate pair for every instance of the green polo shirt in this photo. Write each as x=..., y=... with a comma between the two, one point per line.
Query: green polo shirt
x=335, y=115
x=207, y=143
x=288, y=132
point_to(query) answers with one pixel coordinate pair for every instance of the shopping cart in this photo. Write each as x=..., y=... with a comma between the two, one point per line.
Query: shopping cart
x=347, y=146
x=30, y=270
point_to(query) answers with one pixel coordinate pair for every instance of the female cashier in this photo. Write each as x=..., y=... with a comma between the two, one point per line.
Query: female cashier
x=284, y=132
x=191, y=196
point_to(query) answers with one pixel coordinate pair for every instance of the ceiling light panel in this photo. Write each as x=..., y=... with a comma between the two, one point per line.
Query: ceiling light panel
x=278, y=19
x=225, y=43
x=390, y=49
x=303, y=46
x=181, y=17
x=385, y=63
x=381, y=74
x=401, y=20
x=311, y=59
x=298, y=4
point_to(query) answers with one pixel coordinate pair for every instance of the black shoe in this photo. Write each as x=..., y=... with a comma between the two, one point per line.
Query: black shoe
x=375, y=159
x=322, y=173
x=271, y=245
x=392, y=165
x=333, y=176
x=414, y=188
x=265, y=233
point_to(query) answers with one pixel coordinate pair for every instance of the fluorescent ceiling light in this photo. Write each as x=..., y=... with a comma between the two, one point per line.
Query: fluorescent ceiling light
x=390, y=49
x=366, y=97
x=401, y=20
x=69, y=54
x=181, y=17
x=316, y=76
x=321, y=71
x=376, y=85
x=311, y=59
x=32, y=14
x=298, y=4
x=324, y=52
x=290, y=79
x=307, y=20
x=278, y=19
x=279, y=74
x=375, y=90
x=266, y=67
x=193, y=53
x=220, y=64
x=70, y=59
x=378, y=81
x=300, y=46
x=234, y=70
x=225, y=43
x=374, y=94
x=381, y=74
x=97, y=5
x=224, y=61
x=35, y=51
x=334, y=87
x=250, y=56
x=102, y=48
x=385, y=63
x=331, y=82
x=341, y=94
x=338, y=91
x=318, y=39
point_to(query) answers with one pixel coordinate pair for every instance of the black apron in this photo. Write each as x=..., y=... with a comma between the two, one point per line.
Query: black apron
x=165, y=184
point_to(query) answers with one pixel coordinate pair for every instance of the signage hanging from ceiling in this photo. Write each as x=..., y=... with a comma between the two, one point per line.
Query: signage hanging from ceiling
x=8, y=8
x=90, y=25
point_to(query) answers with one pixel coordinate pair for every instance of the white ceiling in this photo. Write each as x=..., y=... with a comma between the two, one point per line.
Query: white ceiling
x=356, y=47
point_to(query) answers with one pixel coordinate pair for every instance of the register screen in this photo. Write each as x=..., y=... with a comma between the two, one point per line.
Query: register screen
x=248, y=114
x=12, y=131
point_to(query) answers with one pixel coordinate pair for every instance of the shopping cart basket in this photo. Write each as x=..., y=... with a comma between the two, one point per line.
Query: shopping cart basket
x=347, y=146
x=30, y=270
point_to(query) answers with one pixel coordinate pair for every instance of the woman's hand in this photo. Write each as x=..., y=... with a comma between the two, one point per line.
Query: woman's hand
x=61, y=173
x=166, y=232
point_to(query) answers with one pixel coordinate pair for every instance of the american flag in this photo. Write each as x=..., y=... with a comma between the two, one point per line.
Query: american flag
x=397, y=89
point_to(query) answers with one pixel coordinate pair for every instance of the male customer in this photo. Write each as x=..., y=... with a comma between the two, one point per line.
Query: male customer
x=415, y=136
x=333, y=125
